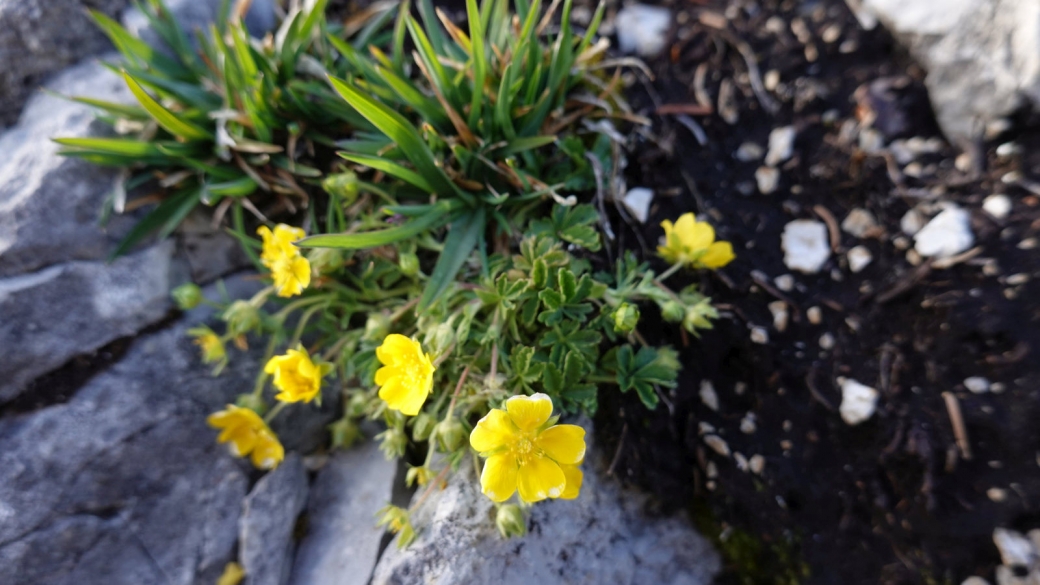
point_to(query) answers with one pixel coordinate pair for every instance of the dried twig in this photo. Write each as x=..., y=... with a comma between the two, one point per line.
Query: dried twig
x=960, y=432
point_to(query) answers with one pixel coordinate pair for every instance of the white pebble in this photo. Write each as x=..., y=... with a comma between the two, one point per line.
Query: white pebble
x=997, y=205
x=708, y=395
x=805, y=245
x=771, y=79
x=717, y=444
x=712, y=470
x=748, y=152
x=975, y=581
x=740, y=388
x=859, y=257
x=858, y=401
x=784, y=282
x=759, y=335
x=748, y=425
x=767, y=178
x=998, y=495
x=637, y=201
x=781, y=145
x=871, y=141
x=705, y=428
x=827, y=342
x=1017, y=279
x=780, y=315
x=977, y=384
x=741, y=461
x=815, y=315
x=858, y=222
x=757, y=463
x=912, y=222
x=1007, y=149
x=948, y=234
x=642, y=29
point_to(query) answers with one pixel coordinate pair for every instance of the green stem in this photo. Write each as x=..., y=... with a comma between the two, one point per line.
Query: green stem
x=303, y=324
x=672, y=270
x=274, y=411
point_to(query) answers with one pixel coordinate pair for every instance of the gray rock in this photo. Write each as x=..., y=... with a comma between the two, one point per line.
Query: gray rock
x=982, y=56
x=197, y=15
x=50, y=205
x=124, y=483
x=342, y=542
x=38, y=37
x=208, y=251
x=268, y=519
x=51, y=316
x=604, y=536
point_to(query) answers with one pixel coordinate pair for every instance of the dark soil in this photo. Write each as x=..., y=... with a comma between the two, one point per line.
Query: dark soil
x=894, y=499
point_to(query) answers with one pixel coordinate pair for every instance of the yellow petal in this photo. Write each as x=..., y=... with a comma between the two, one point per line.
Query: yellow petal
x=402, y=397
x=540, y=478
x=498, y=480
x=574, y=478
x=564, y=444
x=529, y=412
x=268, y=452
x=493, y=431
x=232, y=575
x=394, y=345
x=698, y=235
x=718, y=255
x=242, y=440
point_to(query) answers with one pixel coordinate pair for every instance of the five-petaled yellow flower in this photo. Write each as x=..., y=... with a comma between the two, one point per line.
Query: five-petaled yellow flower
x=247, y=434
x=526, y=455
x=298, y=378
x=692, y=243
x=290, y=270
x=406, y=376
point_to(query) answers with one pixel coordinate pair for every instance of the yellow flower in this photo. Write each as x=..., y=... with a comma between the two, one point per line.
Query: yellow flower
x=523, y=454
x=232, y=575
x=298, y=378
x=247, y=434
x=406, y=376
x=290, y=270
x=692, y=243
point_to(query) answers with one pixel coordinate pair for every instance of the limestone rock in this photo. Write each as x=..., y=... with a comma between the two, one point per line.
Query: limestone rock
x=643, y=29
x=947, y=234
x=341, y=546
x=604, y=536
x=858, y=401
x=50, y=205
x=53, y=315
x=268, y=518
x=805, y=245
x=982, y=56
x=125, y=483
x=38, y=37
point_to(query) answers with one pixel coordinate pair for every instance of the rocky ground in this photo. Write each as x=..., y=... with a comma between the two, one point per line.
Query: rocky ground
x=864, y=412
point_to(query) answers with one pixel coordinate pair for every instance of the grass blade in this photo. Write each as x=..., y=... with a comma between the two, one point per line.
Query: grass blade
x=356, y=241
x=391, y=168
x=164, y=219
x=466, y=231
x=164, y=117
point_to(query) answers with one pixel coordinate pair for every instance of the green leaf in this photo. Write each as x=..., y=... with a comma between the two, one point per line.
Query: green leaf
x=466, y=231
x=437, y=215
x=121, y=110
x=136, y=50
x=122, y=146
x=519, y=145
x=165, y=218
x=407, y=138
x=164, y=117
x=479, y=61
x=391, y=168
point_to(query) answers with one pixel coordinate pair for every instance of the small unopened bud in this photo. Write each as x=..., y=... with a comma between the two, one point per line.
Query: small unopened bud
x=699, y=316
x=393, y=442
x=241, y=318
x=440, y=338
x=626, y=317
x=345, y=432
x=449, y=434
x=377, y=327
x=357, y=405
x=325, y=260
x=421, y=475
x=252, y=402
x=409, y=263
x=397, y=521
x=342, y=185
x=672, y=311
x=510, y=521
x=187, y=296
x=423, y=426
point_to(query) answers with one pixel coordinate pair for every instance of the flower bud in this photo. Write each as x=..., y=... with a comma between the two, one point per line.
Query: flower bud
x=325, y=260
x=421, y=475
x=626, y=317
x=393, y=442
x=187, y=296
x=510, y=521
x=252, y=402
x=344, y=433
x=357, y=405
x=699, y=316
x=440, y=338
x=241, y=318
x=343, y=185
x=672, y=311
x=423, y=427
x=449, y=434
x=396, y=520
x=377, y=327
x=409, y=263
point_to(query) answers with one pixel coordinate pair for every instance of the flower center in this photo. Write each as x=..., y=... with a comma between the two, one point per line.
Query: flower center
x=524, y=449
